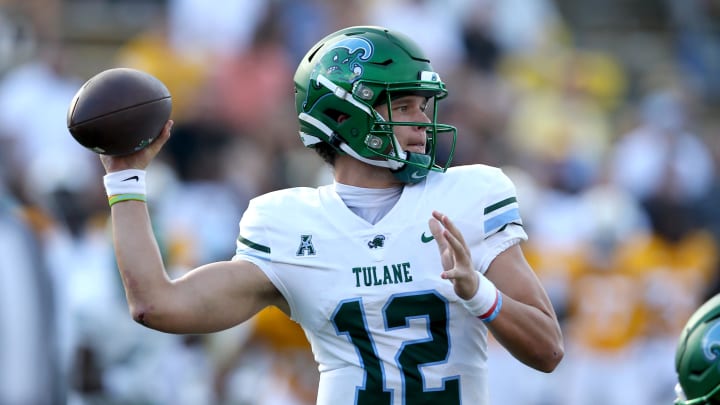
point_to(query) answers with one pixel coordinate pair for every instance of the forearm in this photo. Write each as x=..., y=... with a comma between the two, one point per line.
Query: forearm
x=138, y=257
x=529, y=334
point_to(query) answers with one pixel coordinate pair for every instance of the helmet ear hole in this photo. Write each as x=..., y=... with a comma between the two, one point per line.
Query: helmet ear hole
x=336, y=115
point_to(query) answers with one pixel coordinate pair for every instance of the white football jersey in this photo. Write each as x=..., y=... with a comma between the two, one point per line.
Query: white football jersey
x=383, y=326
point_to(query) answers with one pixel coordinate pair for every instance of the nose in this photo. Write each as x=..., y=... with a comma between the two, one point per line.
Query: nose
x=422, y=117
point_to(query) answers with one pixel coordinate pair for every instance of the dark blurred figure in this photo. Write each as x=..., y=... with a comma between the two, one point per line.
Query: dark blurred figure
x=667, y=166
x=29, y=362
x=697, y=44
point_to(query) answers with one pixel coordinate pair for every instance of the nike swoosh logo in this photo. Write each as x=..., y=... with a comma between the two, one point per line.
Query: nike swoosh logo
x=136, y=178
x=417, y=175
x=426, y=239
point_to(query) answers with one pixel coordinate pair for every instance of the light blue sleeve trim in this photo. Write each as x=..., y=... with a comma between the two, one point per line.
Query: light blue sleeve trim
x=491, y=224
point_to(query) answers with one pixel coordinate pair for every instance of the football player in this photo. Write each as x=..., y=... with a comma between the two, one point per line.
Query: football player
x=396, y=271
x=697, y=360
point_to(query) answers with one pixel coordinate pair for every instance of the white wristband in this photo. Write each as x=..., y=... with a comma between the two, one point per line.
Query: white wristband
x=484, y=302
x=130, y=181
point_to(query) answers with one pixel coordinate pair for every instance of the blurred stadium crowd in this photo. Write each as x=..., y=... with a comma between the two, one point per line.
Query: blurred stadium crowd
x=604, y=114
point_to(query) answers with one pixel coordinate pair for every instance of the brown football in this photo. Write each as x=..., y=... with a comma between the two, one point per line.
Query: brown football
x=119, y=111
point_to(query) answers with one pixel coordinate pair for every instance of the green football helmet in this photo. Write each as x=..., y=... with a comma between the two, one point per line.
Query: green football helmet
x=697, y=359
x=350, y=72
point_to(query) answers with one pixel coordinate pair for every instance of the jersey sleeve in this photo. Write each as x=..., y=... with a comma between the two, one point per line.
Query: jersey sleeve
x=253, y=241
x=501, y=221
x=501, y=207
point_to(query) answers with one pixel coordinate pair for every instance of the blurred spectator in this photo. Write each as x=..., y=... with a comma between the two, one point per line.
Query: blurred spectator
x=52, y=176
x=184, y=74
x=696, y=26
x=205, y=30
x=46, y=158
x=577, y=238
x=430, y=22
x=303, y=23
x=274, y=366
x=250, y=86
x=708, y=207
x=522, y=26
x=17, y=39
x=665, y=165
x=482, y=49
x=35, y=19
x=30, y=370
x=560, y=124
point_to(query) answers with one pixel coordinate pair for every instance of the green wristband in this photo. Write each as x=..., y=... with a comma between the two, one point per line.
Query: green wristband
x=114, y=199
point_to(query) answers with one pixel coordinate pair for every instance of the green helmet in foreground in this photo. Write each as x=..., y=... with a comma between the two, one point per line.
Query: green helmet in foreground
x=697, y=359
x=350, y=72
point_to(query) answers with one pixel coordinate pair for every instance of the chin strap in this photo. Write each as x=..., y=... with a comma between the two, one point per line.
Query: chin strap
x=413, y=173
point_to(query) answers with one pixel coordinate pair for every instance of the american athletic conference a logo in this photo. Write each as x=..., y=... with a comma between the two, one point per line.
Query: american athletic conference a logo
x=306, y=247
x=711, y=342
x=344, y=60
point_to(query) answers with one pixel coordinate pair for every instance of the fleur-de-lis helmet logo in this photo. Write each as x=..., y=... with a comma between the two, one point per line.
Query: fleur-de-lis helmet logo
x=344, y=60
x=711, y=343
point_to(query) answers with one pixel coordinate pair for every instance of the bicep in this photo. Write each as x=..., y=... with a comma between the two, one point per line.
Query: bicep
x=214, y=297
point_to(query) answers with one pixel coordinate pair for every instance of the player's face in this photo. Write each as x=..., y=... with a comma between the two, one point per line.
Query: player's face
x=410, y=108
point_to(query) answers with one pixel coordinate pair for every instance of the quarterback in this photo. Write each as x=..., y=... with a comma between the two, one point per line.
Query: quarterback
x=397, y=271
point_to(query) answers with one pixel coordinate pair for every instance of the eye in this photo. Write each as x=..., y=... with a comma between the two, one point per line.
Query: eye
x=400, y=108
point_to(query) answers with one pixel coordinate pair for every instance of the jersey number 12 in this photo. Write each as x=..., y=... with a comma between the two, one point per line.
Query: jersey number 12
x=349, y=319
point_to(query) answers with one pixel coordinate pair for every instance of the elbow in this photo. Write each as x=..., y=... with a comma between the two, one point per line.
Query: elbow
x=548, y=361
x=164, y=319
x=143, y=315
x=139, y=317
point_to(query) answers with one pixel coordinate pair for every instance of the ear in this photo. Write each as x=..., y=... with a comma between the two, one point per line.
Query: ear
x=342, y=117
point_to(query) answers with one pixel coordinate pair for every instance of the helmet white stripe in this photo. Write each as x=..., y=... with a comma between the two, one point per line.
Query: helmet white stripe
x=317, y=124
x=339, y=92
x=311, y=140
x=345, y=95
x=389, y=164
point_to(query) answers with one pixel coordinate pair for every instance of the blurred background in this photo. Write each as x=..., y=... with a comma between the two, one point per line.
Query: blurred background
x=604, y=114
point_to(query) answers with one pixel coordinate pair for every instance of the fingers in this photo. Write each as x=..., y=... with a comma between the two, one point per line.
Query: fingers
x=454, y=255
x=461, y=253
x=446, y=255
x=437, y=231
x=140, y=159
x=449, y=225
x=453, y=250
x=160, y=141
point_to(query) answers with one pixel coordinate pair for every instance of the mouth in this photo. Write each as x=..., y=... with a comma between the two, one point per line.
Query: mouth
x=415, y=148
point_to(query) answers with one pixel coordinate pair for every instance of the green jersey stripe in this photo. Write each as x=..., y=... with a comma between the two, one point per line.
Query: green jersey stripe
x=253, y=245
x=499, y=205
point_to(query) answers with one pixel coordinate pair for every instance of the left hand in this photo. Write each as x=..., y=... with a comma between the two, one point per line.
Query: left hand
x=455, y=256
